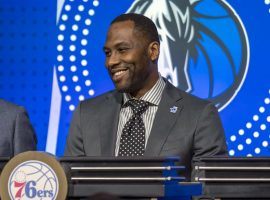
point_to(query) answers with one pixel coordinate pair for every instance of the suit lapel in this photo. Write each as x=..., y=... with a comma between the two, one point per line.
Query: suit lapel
x=167, y=113
x=108, y=125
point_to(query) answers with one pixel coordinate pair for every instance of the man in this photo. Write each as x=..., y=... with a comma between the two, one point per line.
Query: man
x=16, y=132
x=173, y=122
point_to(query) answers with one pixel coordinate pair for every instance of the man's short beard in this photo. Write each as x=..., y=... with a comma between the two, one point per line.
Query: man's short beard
x=123, y=90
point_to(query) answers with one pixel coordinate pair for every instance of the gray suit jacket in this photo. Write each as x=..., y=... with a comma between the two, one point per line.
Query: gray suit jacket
x=16, y=132
x=193, y=131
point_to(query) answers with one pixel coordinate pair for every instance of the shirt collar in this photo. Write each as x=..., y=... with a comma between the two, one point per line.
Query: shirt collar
x=153, y=96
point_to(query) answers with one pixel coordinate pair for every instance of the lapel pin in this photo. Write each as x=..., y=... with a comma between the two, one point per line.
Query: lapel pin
x=173, y=109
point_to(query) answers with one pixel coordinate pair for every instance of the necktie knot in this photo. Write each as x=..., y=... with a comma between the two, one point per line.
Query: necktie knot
x=138, y=106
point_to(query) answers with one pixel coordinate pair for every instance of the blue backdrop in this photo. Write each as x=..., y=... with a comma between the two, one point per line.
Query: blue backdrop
x=51, y=58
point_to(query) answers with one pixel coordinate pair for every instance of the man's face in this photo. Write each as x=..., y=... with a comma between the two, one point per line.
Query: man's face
x=128, y=59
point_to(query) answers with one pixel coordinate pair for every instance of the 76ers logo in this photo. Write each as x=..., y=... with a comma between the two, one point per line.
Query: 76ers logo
x=33, y=180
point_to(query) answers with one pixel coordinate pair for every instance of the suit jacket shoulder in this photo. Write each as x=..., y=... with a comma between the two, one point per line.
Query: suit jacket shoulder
x=16, y=131
x=93, y=126
x=188, y=99
x=9, y=107
x=186, y=126
x=94, y=104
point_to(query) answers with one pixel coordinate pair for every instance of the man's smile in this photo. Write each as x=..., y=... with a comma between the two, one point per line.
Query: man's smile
x=118, y=74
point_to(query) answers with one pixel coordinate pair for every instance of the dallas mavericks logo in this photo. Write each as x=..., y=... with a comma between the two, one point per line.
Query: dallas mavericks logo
x=33, y=180
x=204, y=47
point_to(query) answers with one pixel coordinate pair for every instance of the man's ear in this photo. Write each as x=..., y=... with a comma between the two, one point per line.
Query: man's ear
x=153, y=51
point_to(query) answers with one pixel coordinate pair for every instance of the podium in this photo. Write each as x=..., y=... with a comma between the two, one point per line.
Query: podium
x=127, y=178
x=82, y=177
x=235, y=178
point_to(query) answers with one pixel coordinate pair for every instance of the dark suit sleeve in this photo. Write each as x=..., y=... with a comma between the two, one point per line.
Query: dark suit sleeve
x=74, y=145
x=24, y=138
x=209, y=136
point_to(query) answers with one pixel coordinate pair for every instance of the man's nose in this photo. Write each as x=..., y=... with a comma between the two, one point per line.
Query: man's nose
x=112, y=60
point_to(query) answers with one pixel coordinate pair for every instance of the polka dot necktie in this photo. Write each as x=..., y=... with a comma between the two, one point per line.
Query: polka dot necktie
x=133, y=135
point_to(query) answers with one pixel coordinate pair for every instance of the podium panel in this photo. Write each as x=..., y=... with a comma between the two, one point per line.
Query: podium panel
x=127, y=177
x=235, y=178
x=36, y=175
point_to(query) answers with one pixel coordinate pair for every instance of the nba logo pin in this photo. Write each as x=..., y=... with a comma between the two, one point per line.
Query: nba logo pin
x=173, y=109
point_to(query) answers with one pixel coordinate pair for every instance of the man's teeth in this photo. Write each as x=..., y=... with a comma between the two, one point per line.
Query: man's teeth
x=119, y=73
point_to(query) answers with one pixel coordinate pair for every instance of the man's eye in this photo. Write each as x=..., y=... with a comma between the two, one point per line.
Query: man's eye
x=107, y=53
x=122, y=50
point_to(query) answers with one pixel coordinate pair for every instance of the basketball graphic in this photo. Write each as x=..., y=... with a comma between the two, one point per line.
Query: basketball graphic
x=33, y=179
x=33, y=175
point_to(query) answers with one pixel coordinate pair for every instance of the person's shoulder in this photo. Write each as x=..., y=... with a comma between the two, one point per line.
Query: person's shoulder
x=99, y=100
x=190, y=100
x=9, y=107
x=194, y=99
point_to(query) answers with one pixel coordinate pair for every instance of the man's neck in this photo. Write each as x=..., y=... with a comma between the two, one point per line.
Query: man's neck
x=155, y=90
x=141, y=92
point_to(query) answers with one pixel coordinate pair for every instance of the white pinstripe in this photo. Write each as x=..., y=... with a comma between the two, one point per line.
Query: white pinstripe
x=153, y=96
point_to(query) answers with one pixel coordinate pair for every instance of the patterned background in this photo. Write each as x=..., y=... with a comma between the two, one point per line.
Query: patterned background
x=51, y=58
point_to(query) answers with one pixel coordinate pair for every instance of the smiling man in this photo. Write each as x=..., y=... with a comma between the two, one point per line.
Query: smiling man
x=145, y=115
x=131, y=58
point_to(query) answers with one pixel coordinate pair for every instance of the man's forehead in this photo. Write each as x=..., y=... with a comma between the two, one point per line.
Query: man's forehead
x=120, y=32
x=121, y=26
